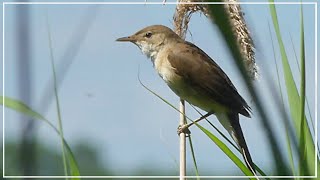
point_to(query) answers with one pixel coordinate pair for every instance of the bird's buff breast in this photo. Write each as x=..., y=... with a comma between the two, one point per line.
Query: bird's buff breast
x=183, y=89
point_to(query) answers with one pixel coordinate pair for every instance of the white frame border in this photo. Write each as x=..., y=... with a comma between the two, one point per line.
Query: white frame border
x=156, y=3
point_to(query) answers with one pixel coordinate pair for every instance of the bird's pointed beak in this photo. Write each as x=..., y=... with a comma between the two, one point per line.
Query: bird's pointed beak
x=126, y=39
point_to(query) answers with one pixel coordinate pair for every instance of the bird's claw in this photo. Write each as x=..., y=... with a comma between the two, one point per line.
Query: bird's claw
x=183, y=129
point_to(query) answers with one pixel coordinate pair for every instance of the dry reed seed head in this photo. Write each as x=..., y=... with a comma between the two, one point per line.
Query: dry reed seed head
x=244, y=39
x=183, y=14
x=182, y=18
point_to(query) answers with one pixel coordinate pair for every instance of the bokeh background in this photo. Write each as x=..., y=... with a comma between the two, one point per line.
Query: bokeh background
x=113, y=125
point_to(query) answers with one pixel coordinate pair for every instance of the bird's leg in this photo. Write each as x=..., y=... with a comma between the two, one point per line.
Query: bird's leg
x=185, y=128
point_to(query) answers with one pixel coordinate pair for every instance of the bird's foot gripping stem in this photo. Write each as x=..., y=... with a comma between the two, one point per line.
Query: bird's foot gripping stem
x=184, y=129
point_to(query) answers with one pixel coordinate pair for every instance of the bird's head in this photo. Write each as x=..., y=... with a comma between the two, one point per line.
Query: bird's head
x=151, y=39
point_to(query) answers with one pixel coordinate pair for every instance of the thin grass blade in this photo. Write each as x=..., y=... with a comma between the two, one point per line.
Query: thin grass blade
x=222, y=21
x=307, y=101
x=282, y=103
x=227, y=151
x=194, y=158
x=26, y=110
x=64, y=158
x=219, y=143
x=294, y=101
x=302, y=141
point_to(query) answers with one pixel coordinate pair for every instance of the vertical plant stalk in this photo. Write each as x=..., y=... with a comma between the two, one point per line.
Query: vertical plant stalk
x=303, y=168
x=182, y=141
x=64, y=159
x=181, y=19
x=180, y=27
x=27, y=154
x=286, y=125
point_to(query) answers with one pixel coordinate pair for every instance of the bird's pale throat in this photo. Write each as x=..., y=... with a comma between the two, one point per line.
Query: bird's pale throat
x=149, y=49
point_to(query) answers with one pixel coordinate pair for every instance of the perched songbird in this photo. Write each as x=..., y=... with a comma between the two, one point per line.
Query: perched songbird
x=194, y=77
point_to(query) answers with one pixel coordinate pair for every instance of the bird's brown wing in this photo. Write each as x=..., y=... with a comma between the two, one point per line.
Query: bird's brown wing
x=204, y=75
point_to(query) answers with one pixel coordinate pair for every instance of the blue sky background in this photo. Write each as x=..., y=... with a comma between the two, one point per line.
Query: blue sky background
x=103, y=103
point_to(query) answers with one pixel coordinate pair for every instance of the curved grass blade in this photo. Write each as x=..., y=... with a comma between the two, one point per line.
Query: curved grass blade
x=312, y=122
x=219, y=143
x=228, y=140
x=224, y=136
x=221, y=20
x=282, y=103
x=303, y=169
x=227, y=151
x=24, y=109
x=307, y=101
x=64, y=158
x=295, y=102
x=194, y=158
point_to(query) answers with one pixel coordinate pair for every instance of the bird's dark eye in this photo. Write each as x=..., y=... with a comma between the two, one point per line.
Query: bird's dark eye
x=148, y=34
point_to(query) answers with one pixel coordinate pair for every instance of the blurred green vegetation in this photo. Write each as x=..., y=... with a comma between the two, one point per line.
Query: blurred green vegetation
x=49, y=160
x=88, y=157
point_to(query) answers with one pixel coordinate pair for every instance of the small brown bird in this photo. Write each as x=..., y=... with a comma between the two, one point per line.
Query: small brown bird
x=194, y=77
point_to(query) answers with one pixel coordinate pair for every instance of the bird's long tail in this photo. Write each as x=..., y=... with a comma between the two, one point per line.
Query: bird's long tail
x=231, y=123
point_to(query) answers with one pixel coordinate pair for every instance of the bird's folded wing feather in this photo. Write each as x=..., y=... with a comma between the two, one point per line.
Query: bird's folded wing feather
x=204, y=75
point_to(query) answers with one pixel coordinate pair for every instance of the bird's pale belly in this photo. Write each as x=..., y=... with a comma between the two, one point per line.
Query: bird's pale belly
x=185, y=91
x=188, y=93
